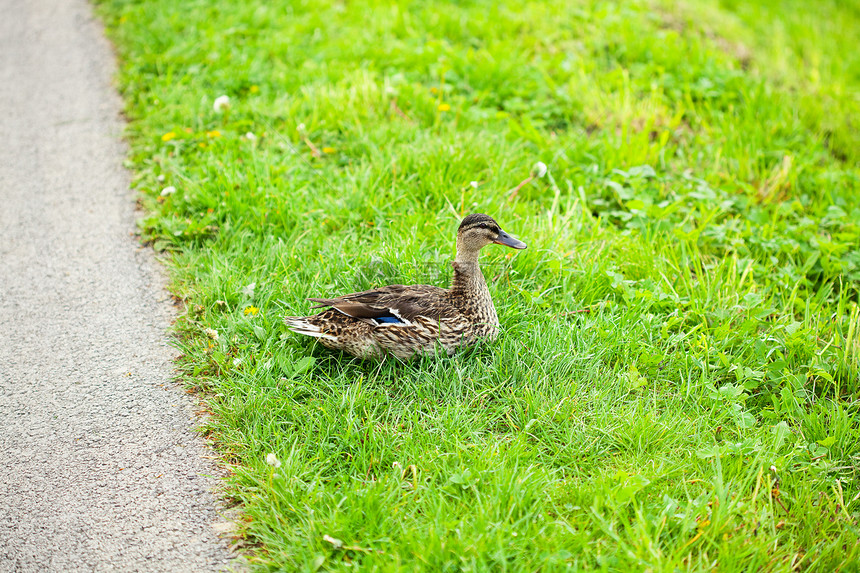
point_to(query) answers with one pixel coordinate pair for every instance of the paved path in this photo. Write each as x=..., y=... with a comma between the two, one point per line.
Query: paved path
x=100, y=469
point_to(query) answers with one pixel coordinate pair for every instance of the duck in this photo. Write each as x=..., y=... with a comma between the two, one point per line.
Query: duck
x=407, y=321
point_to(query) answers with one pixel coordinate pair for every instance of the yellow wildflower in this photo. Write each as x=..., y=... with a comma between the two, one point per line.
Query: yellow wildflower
x=329, y=150
x=168, y=136
x=444, y=107
x=213, y=133
x=252, y=310
x=254, y=89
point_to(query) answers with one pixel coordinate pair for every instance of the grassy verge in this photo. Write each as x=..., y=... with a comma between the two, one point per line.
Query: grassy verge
x=677, y=383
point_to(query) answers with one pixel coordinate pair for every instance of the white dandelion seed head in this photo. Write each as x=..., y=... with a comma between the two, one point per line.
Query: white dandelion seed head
x=212, y=333
x=539, y=170
x=221, y=103
x=248, y=290
x=273, y=460
x=474, y=184
x=168, y=191
x=300, y=127
x=250, y=136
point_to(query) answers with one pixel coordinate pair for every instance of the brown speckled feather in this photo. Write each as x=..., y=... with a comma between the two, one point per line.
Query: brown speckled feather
x=404, y=302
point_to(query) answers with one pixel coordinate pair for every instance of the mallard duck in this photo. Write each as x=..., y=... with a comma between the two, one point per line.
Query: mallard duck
x=406, y=321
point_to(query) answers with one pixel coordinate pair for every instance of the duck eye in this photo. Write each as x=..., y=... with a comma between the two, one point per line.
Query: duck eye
x=483, y=226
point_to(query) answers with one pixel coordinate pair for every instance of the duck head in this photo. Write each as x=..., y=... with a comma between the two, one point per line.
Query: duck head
x=477, y=231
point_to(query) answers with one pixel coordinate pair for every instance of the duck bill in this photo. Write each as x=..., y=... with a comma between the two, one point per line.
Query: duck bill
x=508, y=241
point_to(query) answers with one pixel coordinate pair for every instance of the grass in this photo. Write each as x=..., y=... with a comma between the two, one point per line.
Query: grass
x=676, y=388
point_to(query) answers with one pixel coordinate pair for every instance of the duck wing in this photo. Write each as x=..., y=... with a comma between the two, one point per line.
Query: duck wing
x=392, y=304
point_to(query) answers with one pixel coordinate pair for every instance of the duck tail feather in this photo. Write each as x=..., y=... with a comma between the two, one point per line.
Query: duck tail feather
x=301, y=325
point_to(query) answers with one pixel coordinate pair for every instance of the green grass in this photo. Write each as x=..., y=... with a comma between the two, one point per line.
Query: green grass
x=677, y=387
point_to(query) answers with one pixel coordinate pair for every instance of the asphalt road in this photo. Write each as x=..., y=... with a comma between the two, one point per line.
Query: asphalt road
x=100, y=467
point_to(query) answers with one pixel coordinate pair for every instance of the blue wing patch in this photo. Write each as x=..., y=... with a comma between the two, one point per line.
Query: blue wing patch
x=388, y=319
